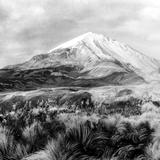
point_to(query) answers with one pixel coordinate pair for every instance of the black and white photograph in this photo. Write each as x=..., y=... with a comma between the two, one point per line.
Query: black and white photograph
x=79, y=79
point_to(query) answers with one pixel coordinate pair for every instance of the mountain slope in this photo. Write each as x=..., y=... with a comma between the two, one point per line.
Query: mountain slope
x=86, y=61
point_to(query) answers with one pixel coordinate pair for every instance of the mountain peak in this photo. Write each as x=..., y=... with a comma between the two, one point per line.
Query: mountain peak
x=89, y=36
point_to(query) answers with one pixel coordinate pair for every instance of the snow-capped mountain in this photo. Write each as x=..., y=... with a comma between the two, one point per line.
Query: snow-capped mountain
x=91, y=49
x=88, y=60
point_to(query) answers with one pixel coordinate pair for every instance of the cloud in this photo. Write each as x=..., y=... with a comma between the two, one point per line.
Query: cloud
x=154, y=37
x=152, y=13
x=29, y=27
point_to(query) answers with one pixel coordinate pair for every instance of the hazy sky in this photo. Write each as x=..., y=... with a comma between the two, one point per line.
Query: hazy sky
x=29, y=27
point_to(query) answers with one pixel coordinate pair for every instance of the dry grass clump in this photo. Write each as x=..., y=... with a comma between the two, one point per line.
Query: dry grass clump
x=103, y=140
x=9, y=149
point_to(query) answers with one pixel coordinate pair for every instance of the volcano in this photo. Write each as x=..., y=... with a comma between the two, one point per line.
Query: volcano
x=90, y=60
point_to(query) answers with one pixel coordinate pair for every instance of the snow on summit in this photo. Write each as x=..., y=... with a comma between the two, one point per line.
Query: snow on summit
x=88, y=35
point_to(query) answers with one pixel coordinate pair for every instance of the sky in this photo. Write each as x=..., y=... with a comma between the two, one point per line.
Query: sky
x=30, y=27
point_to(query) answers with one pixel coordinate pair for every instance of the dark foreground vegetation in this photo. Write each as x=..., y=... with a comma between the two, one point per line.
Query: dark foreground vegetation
x=50, y=133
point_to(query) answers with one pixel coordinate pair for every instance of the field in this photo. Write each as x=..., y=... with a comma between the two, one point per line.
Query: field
x=121, y=130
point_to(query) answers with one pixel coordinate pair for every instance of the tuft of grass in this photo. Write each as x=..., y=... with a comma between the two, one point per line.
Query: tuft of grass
x=54, y=150
x=34, y=137
x=9, y=149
